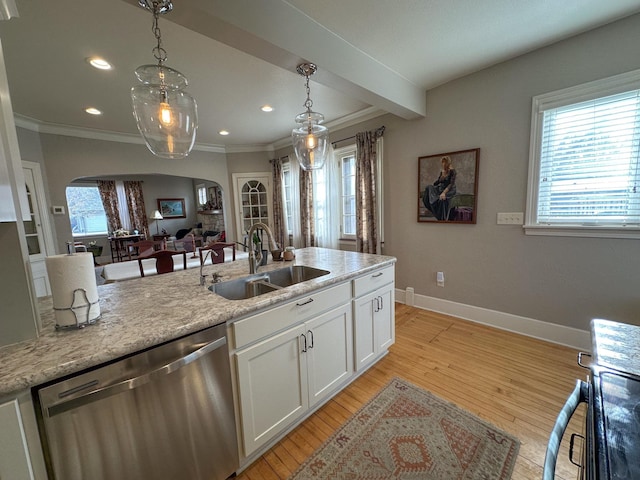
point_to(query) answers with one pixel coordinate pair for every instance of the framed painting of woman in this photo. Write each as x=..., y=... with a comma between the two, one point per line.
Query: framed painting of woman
x=448, y=187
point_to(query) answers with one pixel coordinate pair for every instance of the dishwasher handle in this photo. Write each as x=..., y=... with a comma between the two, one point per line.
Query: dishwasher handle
x=135, y=382
x=579, y=395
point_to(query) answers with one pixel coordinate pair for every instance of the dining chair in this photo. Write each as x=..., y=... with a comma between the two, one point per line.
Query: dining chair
x=217, y=252
x=164, y=261
x=143, y=248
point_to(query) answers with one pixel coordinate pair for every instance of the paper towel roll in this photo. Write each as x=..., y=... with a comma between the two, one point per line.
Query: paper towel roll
x=68, y=273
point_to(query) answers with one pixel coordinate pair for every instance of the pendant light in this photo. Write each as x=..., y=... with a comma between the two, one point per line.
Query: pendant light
x=166, y=115
x=310, y=139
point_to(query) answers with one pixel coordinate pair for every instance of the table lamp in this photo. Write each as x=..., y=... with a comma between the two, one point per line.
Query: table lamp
x=157, y=216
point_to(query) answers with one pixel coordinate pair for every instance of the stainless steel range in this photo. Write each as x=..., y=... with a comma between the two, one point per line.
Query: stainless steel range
x=616, y=426
x=611, y=441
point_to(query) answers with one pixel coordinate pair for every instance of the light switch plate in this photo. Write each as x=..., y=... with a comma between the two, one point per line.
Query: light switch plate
x=513, y=218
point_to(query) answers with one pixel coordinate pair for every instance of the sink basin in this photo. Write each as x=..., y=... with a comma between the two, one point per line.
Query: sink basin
x=285, y=277
x=265, y=282
x=243, y=288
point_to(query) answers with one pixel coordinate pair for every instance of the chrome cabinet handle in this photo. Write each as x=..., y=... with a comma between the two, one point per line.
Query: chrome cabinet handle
x=311, y=335
x=304, y=338
x=377, y=275
x=376, y=308
x=381, y=303
x=135, y=382
x=304, y=303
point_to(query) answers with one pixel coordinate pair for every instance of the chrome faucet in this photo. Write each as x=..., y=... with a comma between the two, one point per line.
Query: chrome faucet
x=254, y=262
x=216, y=276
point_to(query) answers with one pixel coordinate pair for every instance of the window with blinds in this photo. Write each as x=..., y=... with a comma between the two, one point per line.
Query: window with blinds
x=585, y=171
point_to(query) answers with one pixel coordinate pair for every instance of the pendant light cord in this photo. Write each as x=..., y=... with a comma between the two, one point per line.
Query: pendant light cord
x=158, y=51
x=308, y=103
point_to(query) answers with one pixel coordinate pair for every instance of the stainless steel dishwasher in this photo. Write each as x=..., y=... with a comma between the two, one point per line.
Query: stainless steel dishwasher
x=165, y=413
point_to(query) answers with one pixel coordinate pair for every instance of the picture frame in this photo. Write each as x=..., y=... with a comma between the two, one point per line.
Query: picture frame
x=172, y=207
x=460, y=203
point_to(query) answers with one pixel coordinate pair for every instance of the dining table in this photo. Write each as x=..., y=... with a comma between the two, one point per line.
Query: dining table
x=119, y=243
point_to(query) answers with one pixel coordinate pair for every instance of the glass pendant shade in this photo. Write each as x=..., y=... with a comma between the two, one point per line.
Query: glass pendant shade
x=166, y=115
x=310, y=140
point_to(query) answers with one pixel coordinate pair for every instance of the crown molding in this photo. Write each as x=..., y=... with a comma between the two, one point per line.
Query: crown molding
x=34, y=125
x=94, y=134
x=249, y=148
x=342, y=122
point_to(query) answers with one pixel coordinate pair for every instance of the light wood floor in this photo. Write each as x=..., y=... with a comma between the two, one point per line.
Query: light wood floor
x=515, y=382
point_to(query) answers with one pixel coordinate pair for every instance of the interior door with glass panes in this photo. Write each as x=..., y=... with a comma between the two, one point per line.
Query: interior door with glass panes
x=37, y=230
x=253, y=201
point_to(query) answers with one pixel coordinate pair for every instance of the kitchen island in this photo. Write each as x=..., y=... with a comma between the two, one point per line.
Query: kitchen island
x=143, y=313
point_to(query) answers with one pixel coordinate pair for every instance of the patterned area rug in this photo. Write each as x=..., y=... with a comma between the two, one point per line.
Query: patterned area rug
x=405, y=432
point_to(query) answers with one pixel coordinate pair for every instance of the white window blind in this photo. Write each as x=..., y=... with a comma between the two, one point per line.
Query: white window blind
x=589, y=162
x=584, y=172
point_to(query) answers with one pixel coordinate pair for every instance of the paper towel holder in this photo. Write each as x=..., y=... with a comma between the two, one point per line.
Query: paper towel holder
x=77, y=294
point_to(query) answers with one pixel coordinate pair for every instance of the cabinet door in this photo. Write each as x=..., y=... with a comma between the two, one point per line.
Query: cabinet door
x=14, y=453
x=374, y=324
x=37, y=229
x=329, y=352
x=272, y=386
x=253, y=198
x=384, y=319
x=365, y=329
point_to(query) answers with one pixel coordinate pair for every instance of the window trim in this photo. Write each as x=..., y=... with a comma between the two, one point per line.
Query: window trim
x=567, y=96
x=338, y=155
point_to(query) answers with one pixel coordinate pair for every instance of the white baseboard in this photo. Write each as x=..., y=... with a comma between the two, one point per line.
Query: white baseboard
x=551, y=332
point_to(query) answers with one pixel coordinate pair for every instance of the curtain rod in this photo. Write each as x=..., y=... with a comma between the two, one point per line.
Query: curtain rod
x=378, y=131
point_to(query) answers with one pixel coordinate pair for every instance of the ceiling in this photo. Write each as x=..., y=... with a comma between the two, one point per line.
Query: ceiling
x=373, y=57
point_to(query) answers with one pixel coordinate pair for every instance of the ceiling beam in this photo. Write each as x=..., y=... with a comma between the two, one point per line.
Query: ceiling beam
x=278, y=33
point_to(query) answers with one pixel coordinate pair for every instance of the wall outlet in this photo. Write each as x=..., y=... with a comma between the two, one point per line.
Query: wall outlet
x=409, y=298
x=440, y=279
x=513, y=218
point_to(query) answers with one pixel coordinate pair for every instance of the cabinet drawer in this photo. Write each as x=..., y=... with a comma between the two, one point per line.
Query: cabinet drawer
x=266, y=323
x=371, y=281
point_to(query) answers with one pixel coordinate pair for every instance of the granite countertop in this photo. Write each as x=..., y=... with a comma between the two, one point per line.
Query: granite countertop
x=616, y=345
x=144, y=312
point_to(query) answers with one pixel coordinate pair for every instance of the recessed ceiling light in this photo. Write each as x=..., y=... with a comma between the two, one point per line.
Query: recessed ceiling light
x=93, y=111
x=223, y=132
x=99, y=63
x=266, y=108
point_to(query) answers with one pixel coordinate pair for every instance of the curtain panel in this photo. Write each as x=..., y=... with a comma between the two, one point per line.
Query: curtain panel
x=307, y=222
x=135, y=204
x=279, y=220
x=109, y=197
x=367, y=222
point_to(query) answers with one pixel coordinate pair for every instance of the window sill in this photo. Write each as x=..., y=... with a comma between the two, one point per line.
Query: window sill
x=632, y=231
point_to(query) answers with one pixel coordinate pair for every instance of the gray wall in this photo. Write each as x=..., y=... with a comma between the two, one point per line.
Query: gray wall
x=70, y=158
x=560, y=280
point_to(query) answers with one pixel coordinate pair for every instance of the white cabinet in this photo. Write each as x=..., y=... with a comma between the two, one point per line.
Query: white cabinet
x=284, y=375
x=253, y=199
x=329, y=352
x=272, y=380
x=374, y=316
x=14, y=452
